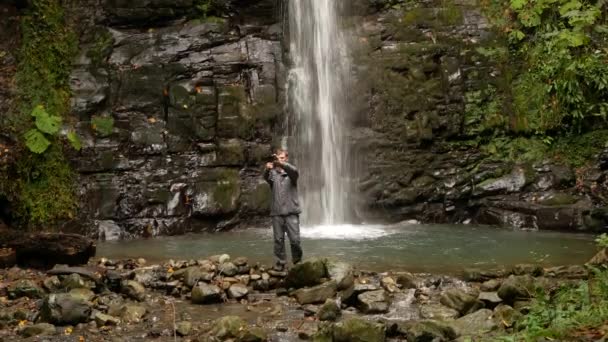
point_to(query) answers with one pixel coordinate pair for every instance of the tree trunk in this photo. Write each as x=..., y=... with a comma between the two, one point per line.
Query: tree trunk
x=44, y=250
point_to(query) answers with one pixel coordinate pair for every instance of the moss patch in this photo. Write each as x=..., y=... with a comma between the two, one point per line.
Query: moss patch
x=42, y=189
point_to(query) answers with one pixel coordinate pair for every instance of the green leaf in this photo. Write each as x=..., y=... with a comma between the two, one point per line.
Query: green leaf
x=36, y=141
x=569, y=6
x=49, y=124
x=38, y=111
x=74, y=140
x=517, y=35
x=518, y=4
x=104, y=125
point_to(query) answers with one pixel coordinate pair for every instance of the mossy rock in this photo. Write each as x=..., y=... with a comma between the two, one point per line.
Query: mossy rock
x=307, y=273
x=359, y=330
x=218, y=192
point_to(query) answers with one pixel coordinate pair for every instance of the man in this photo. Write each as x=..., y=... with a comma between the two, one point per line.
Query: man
x=284, y=208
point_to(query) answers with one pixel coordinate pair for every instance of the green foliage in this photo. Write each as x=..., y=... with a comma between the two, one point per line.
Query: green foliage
x=103, y=125
x=558, y=50
x=41, y=183
x=210, y=10
x=46, y=188
x=572, y=307
x=74, y=140
x=36, y=141
x=602, y=240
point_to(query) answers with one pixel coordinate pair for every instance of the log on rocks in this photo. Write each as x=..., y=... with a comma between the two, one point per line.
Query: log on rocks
x=44, y=250
x=93, y=274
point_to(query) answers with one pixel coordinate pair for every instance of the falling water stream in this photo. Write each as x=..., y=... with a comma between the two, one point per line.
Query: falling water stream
x=318, y=81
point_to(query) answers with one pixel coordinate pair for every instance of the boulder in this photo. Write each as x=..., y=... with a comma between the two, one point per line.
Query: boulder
x=533, y=270
x=477, y=323
x=183, y=328
x=204, y=293
x=133, y=290
x=505, y=316
x=357, y=329
x=306, y=273
x=427, y=330
x=74, y=281
x=240, y=261
x=373, y=302
x=490, y=285
x=237, y=291
x=24, y=288
x=490, y=299
x=330, y=311
x=63, y=308
x=130, y=313
x=435, y=311
x=341, y=273
x=82, y=293
x=40, y=329
x=407, y=280
x=569, y=272
x=228, y=269
x=516, y=288
x=315, y=294
x=228, y=327
x=52, y=283
x=389, y=284
x=102, y=319
x=460, y=301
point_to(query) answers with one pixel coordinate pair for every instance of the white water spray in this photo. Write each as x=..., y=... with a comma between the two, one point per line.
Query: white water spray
x=318, y=83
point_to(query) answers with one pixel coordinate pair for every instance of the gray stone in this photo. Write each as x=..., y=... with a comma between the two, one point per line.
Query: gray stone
x=240, y=261
x=329, y=311
x=505, y=316
x=82, y=293
x=74, y=281
x=373, y=302
x=52, y=283
x=204, y=293
x=427, y=330
x=356, y=329
x=133, y=290
x=341, y=273
x=102, y=319
x=490, y=285
x=24, y=288
x=40, y=329
x=228, y=327
x=63, y=308
x=437, y=311
x=130, y=313
x=406, y=280
x=533, y=270
x=228, y=269
x=516, y=288
x=316, y=294
x=461, y=301
x=478, y=323
x=490, y=299
x=237, y=291
x=569, y=272
x=183, y=328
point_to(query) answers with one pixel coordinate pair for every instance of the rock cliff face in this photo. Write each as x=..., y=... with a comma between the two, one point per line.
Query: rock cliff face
x=423, y=70
x=193, y=100
x=178, y=103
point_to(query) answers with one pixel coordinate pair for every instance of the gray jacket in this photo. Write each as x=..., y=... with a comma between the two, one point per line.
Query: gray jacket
x=284, y=186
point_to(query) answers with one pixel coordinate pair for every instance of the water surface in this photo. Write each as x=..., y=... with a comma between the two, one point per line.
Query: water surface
x=412, y=247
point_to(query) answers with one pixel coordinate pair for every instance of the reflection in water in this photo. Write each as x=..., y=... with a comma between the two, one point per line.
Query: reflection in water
x=418, y=248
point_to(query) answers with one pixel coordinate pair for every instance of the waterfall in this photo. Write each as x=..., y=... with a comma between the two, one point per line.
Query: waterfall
x=318, y=82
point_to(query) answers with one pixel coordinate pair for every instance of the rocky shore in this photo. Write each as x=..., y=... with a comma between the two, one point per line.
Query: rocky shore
x=233, y=299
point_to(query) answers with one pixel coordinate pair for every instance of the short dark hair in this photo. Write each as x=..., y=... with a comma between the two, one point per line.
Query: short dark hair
x=281, y=151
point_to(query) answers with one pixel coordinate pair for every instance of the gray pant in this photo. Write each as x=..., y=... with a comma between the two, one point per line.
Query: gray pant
x=281, y=225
